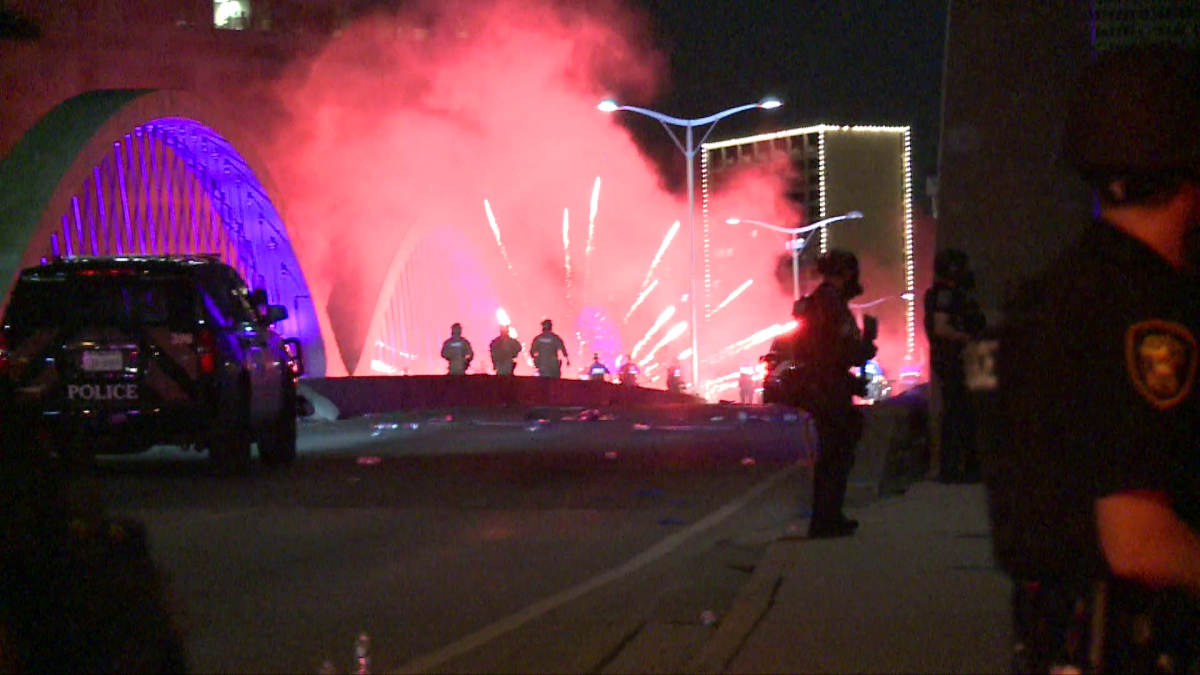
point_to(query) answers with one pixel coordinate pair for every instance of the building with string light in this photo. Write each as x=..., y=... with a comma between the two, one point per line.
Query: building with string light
x=831, y=170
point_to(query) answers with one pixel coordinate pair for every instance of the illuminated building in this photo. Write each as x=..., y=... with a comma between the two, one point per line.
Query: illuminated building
x=833, y=170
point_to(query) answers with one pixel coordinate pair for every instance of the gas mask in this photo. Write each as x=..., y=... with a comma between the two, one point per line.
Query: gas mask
x=852, y=288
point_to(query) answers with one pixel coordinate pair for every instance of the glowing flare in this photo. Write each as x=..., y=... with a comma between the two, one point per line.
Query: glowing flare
x=737, y=292
x=661, y=249
x=658, y=323
x=502, y=317
x=641, y=297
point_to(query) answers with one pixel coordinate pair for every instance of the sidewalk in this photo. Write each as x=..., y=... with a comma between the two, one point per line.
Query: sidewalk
x=914, y=591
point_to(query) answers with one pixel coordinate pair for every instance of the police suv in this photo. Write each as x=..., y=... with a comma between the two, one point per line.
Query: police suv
x=119, y=354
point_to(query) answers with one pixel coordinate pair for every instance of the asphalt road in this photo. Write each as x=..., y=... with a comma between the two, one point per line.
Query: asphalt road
x=457, y=546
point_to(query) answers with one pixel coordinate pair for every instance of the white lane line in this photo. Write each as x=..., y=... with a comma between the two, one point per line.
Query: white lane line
x=492, y=631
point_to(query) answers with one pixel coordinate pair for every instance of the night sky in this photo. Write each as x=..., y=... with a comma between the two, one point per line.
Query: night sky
x=852, y=62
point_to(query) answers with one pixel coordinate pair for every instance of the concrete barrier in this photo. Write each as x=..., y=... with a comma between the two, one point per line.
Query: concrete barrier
x=357, y=396
x=894, y=450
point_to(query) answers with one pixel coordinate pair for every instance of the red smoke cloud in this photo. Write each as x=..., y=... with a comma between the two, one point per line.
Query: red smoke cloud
x=410, y=121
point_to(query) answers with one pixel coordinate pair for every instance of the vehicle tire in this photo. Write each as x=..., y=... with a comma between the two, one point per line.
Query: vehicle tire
x=231, y=436
x=277, y=445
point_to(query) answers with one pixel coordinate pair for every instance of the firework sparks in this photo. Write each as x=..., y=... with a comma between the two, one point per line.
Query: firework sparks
x=658, y=323
x=661, y=249
x=496, y=232
x=567, y=250
x=758, y=337
x=641, y=297
x=673, y=334
x=734, y=294
x=595, y=205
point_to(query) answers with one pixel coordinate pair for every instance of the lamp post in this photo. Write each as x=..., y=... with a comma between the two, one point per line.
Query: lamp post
x=797, y=245
x=689, y=150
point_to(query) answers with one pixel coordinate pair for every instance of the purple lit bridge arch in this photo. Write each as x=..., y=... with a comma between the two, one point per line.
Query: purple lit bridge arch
x=130, y=172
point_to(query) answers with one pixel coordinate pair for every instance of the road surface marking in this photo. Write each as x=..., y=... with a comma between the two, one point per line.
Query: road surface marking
x=666, y=546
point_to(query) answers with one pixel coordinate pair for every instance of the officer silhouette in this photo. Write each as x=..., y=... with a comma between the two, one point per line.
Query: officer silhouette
x=545, y=349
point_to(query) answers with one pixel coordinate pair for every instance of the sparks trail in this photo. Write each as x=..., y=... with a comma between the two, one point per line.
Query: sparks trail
x=640, y=298
x=754, y=339
x=496, y=233
x=673, y=334
x=567, y=252
x=587, y=251
x=738, y=291
x=658, y=323
x=661, y=249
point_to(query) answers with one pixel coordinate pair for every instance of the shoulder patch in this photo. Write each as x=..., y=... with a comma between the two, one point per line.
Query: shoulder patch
x=1161, y=359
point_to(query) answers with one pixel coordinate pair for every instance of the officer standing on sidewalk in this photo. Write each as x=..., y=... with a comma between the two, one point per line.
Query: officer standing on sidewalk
x=953, y=319
x=825, y=345
x=1094, y=495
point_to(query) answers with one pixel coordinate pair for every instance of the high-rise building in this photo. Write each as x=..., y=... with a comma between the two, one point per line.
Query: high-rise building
x=832, y=171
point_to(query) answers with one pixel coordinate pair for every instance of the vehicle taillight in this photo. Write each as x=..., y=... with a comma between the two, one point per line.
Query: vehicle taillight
x=207, y=351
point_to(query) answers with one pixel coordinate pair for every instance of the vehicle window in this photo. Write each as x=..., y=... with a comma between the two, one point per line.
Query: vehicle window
x=225, y=298
x=115, y=300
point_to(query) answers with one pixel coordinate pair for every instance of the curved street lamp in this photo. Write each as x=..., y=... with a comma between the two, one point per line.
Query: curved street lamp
x=797, y=245
x=689, y=149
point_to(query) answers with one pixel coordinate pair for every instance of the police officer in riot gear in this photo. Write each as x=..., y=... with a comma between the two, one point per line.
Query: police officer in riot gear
x=952, y=319
x=545, y=349
x=597, y=372
x=675, y=379
x=628, y=372
x=457, y=351
x=746, y=384
x=504, y=349
x=1094, y=486
x=826, y=344
x=79, y=592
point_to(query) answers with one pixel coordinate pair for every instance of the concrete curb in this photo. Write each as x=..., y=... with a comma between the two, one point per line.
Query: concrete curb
x=751, y=605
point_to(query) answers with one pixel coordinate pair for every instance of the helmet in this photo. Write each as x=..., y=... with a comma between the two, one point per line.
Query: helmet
x=949, y=263
x=547, y=324
x=1136, y=111
x=837, y=261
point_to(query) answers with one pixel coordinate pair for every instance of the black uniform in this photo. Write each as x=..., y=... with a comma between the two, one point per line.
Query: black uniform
x=674, y=380
x=79, y=592
x=504, y=350
x=457, y=352
x=1097, y=395
x=958, y=459
x=628, y=373
x=828, y=343
x=598, y=372
x=544, y=350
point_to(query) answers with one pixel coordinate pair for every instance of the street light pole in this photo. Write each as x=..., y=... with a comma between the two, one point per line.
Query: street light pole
x=689, y=150
x=796, y=244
